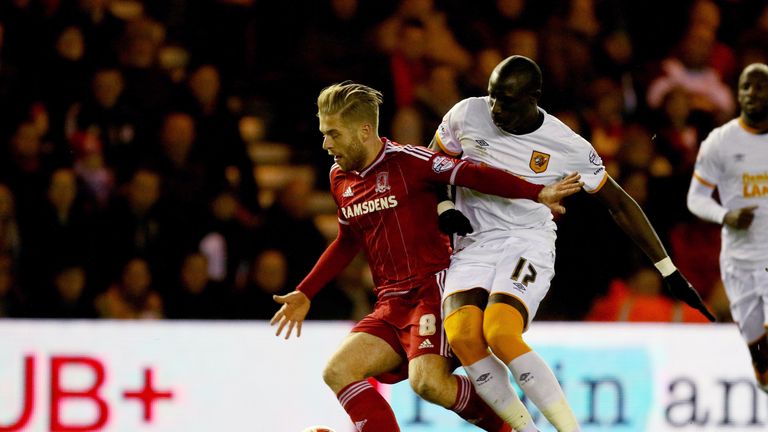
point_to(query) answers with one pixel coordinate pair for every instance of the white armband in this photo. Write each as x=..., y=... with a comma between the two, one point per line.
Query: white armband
x=444, y=205
x=701, y=203
x=665, y=267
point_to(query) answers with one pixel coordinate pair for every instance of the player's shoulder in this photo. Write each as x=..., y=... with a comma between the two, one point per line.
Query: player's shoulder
x=335, y=171
x=337, y=175
x=407, y=151
x=467, y=107
x=472, y=105
x=556, y=131
x=722, y=134
x=730, y=127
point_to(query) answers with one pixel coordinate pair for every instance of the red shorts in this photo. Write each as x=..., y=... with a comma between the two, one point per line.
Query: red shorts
x=411, y=324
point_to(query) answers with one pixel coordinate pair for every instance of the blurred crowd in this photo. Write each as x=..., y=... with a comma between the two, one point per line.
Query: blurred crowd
x=160, y=158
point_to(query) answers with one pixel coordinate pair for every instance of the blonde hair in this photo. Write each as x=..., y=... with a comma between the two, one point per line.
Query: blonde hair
x=352, y=101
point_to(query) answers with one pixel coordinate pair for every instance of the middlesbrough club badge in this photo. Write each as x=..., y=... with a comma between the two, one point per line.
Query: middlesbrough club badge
x=382, y=182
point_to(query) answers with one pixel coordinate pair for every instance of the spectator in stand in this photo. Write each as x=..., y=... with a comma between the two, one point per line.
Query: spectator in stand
x=60, y=229
x=639, y=298
x=267, y=277
x=135, y=224
x=147, y=88
x=701, y=65
x=218, y=141
x=68, y=296
x=475, y=80
x=413, y=124
x=97, y=178
x=606, y=120
x=65, y=75
x=26, y=168
x=100, y=27
x=131, y=296
x=104, y=109
x=196, y=296
x=183, y=168
x=521, y=41
x=678, y=136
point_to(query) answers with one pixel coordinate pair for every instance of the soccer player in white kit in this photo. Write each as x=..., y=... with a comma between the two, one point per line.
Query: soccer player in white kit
x=734, y=159
x=500, y=273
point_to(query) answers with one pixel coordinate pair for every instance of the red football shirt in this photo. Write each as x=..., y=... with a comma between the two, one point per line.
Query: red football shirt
x=390, y=210
x=391, y=206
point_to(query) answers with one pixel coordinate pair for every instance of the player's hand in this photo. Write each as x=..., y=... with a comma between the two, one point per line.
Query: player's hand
x=551, y=195
x=294, y=310
x=453, y=221
x=740, y=218
x=679, y=286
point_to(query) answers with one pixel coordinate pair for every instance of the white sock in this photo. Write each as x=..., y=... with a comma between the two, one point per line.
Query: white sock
x=491, y=382
x=538, y=382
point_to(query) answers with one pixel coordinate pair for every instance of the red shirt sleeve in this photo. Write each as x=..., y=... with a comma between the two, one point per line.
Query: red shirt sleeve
x=336, y=257
x=494, y=181
x=480, y=177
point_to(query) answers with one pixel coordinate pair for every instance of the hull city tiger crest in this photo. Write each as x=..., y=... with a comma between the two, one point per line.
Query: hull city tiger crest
x=382, y=182
x=539, y=162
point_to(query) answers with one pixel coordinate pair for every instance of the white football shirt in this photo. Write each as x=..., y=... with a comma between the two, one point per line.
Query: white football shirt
x=543, y=156
x=735, y=159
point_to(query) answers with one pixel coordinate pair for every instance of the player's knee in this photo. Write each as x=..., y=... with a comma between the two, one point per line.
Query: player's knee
x=503, y=330
x=464, y=330
x=506, y=343
x=336, y=376
x=427, y=385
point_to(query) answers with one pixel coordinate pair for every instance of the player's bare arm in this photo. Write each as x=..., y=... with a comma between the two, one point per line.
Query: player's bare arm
x=632, y=220
x=292, y=313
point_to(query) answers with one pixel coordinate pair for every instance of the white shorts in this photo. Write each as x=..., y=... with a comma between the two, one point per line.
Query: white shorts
x=747, y=290
x=522, y=266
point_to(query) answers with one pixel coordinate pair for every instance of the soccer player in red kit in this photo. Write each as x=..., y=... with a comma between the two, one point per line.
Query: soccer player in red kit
x=383, y=190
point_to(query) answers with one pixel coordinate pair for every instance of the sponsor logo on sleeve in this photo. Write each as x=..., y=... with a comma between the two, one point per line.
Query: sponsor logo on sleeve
x=594, y=158
x=441, y=164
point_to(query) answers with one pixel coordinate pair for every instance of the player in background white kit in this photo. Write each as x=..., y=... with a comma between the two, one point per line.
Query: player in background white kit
x=500, y=272
x=734, y=159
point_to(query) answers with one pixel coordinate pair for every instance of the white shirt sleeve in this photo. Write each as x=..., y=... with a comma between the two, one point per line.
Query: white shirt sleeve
x=447, y=133
x=701, y=203
x=705, y=178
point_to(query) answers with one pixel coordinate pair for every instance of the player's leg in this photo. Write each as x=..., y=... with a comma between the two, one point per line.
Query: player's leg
x=431, y=378
x=504, y=325
x=746, y=290
x=521, y=282
x=758, y=350
x=463, y=322
x=489, y=377
x=360, y=356
x=430, y=363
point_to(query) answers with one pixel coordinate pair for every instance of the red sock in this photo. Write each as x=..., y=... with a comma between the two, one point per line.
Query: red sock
x=368, y=410
x=473, y=409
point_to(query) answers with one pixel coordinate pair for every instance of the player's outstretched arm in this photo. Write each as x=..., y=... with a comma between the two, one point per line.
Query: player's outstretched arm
x=552, y=194
x=292, y=313
x=632, y=220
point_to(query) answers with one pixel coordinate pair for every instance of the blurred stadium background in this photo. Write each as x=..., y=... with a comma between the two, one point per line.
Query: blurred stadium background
x=160, y=160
